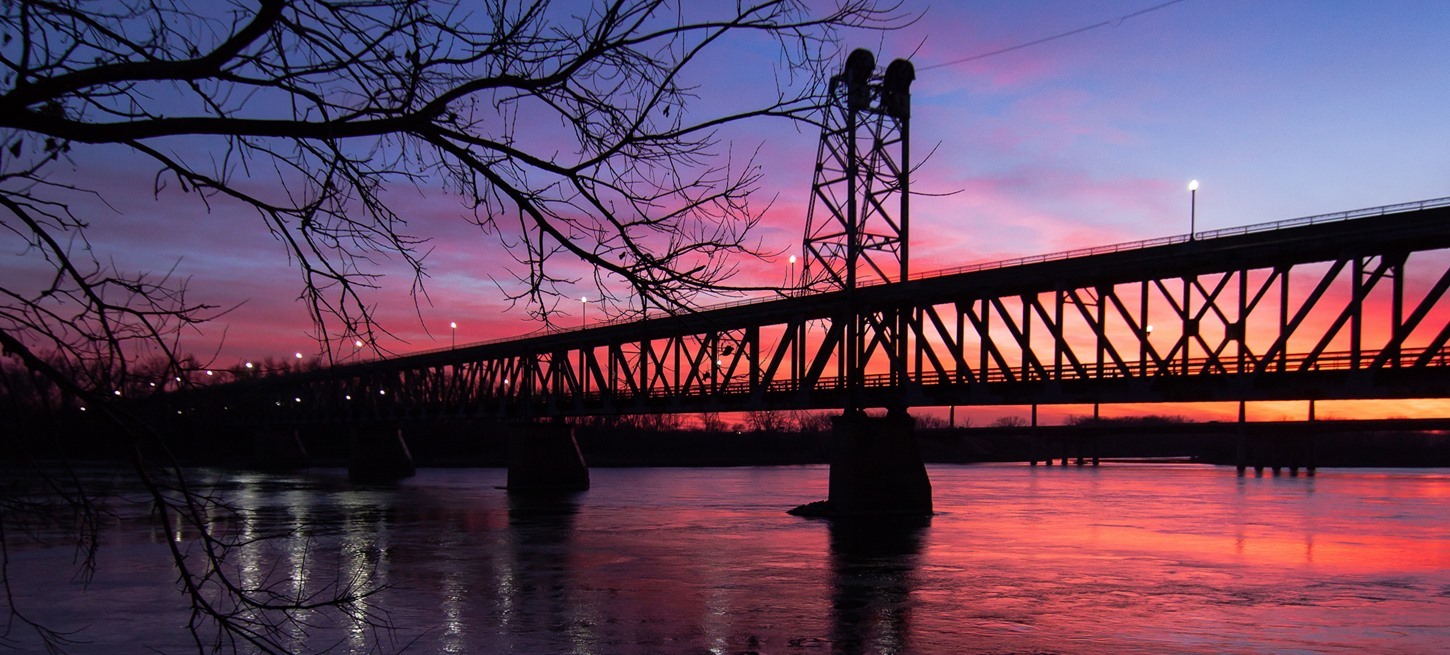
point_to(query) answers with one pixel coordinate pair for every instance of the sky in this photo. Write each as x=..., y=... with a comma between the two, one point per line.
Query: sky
x=1279, y=109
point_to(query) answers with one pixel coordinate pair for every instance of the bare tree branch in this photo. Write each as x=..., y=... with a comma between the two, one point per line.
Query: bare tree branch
x=573, y=135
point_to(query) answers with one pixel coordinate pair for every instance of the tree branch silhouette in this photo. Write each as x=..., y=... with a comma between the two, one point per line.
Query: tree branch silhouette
x=312, y=115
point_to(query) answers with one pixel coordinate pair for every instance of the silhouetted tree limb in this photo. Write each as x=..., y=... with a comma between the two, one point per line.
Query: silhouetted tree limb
x=571, y=135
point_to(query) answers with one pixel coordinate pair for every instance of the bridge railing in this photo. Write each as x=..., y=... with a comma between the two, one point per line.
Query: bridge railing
x=738, y=385
x=1182, y=238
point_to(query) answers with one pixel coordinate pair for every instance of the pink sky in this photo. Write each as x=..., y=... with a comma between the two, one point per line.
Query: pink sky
x=1280, y=109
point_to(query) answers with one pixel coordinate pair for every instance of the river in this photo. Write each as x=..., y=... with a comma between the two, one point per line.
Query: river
x=1126, y=558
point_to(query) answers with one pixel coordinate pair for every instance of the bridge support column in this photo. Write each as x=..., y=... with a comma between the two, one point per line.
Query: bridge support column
x=876, y=468
x=279, y=450
x=379, y=454
x=1277, y=452
x=545, y=457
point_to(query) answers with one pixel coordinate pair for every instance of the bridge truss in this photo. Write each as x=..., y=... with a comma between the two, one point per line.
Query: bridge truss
x=1337, y=308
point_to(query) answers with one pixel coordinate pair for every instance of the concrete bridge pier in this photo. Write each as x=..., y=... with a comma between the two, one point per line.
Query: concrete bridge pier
x=279, y=449
x=378, y=453
x=1277, y=453
x=545, y=457
x=876, y=468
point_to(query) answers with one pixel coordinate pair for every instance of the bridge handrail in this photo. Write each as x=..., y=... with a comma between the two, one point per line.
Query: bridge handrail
x=1290, y=363
x=1256, y=228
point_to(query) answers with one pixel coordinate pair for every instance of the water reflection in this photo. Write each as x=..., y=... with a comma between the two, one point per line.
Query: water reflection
x=536, y=582
x=874, y=566
x=1137, y=560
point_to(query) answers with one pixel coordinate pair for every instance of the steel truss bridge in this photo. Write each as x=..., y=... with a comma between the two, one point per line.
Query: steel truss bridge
x=1345, y=306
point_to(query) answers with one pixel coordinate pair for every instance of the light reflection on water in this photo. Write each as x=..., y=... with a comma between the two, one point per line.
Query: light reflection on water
x=1122, y=559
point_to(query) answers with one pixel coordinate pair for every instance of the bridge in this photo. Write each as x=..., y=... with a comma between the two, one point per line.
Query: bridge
x=1222, y=316
x=1340, y=306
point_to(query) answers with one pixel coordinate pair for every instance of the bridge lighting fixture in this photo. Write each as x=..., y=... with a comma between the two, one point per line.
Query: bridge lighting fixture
x=453, y=334
x=118, y=392
x=209, y=373
x=1192, y=208
x=249, y=365
x=382, y=392
x=297, y=400
x=1148, y=329
x=347, y=397
x=357, y=344
x=299, y=355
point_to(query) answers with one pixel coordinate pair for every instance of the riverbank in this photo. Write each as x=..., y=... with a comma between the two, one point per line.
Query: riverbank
x=483, y=443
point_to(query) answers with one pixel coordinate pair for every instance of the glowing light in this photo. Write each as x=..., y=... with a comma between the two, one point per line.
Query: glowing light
x=249, y=364
x=209, y=373
x=358, y=343
x=1193, y=185
x=299, y=355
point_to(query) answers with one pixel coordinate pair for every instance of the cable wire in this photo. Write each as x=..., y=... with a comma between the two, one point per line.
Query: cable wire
x=1114, y=22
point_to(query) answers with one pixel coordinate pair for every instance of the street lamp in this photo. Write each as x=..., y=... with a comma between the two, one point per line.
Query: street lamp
x=583, y=312
x=453, y=334
x=1192, y=208
x=790, y=281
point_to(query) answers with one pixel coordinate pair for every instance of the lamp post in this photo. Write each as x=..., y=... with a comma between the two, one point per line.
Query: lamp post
x=583, y=314
x=1192, y=208
x=790, y=280
x=453, y=334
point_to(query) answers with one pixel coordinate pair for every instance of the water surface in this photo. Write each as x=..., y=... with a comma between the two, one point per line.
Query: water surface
x=1127, y=558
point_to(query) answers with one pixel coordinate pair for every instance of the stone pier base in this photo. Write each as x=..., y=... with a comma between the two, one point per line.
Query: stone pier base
x=379, y=454
x=545, y=457
x=876, y=468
